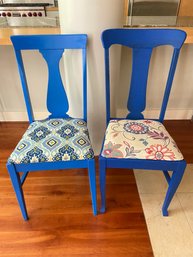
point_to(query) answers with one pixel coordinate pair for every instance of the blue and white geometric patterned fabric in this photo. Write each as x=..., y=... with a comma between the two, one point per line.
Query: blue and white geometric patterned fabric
x=53, y=140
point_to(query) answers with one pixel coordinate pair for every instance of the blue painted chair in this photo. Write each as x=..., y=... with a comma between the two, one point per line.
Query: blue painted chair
x=135, y=142
x=58, y=142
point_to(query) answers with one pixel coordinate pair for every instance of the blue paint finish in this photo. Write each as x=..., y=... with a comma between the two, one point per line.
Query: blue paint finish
x=107, y=82
x=92, y=181
x=52, y=48
x=57, y=102
x=173, y=185
x=136, y=163
x=15, y=179
x=137, y=94
x=34, y=42
x=143, y=38
x=84, y=78
x=167, y=176
x=51, y=165
x=142, y=42
x=102, y=179
x=23, y=177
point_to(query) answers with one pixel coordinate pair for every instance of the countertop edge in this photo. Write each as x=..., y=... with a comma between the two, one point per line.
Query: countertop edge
x=5, y=33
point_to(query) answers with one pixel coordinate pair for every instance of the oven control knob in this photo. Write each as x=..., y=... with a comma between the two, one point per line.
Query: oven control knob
x=35, y=14
x=29, y=14
x=40, y=14
x=24, y=15
x=9, y=14
x=3, y=14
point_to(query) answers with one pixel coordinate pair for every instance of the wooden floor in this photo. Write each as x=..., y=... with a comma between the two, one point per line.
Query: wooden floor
x=59, y=206
x=182, y=132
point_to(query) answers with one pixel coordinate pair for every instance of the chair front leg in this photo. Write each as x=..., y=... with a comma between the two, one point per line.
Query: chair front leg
x=173, y=185
x=92, y=181
x=102, y=178
x=16, y=182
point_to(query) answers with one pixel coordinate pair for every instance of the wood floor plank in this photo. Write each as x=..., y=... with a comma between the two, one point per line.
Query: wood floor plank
x=182, y=132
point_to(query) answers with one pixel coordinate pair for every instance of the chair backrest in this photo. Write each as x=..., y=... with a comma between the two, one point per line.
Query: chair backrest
x=52, y=48
x=142, y=42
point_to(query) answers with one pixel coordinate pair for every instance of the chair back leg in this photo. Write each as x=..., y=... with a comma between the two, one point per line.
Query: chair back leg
x=16, y=182
x=102, y=177
x=92, y=181
x=173, y=185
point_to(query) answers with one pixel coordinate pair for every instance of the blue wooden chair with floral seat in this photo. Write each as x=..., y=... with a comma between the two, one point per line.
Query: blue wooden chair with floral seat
x=135, y=142
x=60, y=141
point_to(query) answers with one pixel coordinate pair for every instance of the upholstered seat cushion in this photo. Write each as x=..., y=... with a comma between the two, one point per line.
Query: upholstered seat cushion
x=139, y=139
x=53, y=140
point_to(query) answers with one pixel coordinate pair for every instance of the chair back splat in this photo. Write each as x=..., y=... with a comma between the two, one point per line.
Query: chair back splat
x=142, y=42
x=52, y=48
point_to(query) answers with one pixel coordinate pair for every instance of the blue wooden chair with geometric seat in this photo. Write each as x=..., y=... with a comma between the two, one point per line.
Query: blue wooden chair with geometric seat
x=135, y=142
x=59, y=141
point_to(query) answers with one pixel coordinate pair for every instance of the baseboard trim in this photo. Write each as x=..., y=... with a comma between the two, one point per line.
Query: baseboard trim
x=21, y=116
x=171, y=114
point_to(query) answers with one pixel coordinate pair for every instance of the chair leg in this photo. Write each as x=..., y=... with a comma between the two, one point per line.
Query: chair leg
x=167, y=176
x=16, y=182
x=92, y=180
x=173, y=185
x=102, y=177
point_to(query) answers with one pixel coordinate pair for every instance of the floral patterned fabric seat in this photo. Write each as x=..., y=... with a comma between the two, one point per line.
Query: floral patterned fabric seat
x=53, y=140
x=139, y=139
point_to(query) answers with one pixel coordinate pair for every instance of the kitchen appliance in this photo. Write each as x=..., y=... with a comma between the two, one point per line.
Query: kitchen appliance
x=22, y=8
x=51, y=2
x=153, y=12
x=22, y=11
x=27, y=13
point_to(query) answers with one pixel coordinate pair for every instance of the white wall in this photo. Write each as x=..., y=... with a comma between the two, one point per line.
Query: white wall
x=12, y=106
